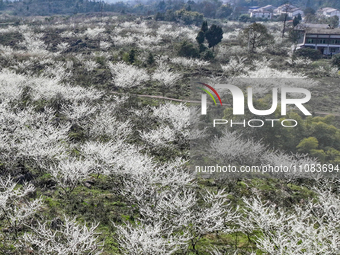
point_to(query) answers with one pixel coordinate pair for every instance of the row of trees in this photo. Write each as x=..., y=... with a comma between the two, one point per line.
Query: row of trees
x=41, y=7
x=213, y=9
x=208, y=8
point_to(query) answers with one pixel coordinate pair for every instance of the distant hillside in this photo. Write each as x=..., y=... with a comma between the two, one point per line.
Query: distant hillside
x=210, y=8
x=49, y=7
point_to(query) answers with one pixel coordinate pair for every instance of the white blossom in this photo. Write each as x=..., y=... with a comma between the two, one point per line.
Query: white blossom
x=93, y=33
x=104, y=45
x=235, y=66
x=90, y=65
x=69, y=237
x=63, y=46
x=13, y=207
x=166, y=78
x=231, y=147
x=127, y=76
x=69, y=172
x=144, y=239
x=159, y=137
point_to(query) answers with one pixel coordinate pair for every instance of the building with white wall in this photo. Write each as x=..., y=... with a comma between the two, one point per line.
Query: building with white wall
x=328, y=12
x=288, y=9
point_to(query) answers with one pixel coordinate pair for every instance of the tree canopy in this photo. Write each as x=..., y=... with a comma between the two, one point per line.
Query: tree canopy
x=214, y=35
x=256, y=35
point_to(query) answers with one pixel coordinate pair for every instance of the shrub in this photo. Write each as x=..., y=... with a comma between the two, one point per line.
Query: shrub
x=202, y=48
x=187, y=49
x=159, y=16
x=336, y=60
x=150, y=59
x=308, y=53
x=170, y=15
x=207, y=55
x=308, y=144
x=244, y=18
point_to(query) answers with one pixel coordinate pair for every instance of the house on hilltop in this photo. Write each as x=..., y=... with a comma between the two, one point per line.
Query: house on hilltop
x=328, y=12
x=265, y=12
x=259, y=13
x=269, y=8
x=288, y=9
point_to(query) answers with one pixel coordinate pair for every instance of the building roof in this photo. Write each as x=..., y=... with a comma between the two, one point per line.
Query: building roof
x=264, y=9
x=286, y=6
x=268, y=7
x=303, y=26
x=259, y=11
x=294, y=9
x=327, y=9
x=321, y=31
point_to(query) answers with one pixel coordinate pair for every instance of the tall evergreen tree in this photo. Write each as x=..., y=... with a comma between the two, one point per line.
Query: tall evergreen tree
x=204, y=27
x=200, y=37
x=214, y=35
x=299, y=17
